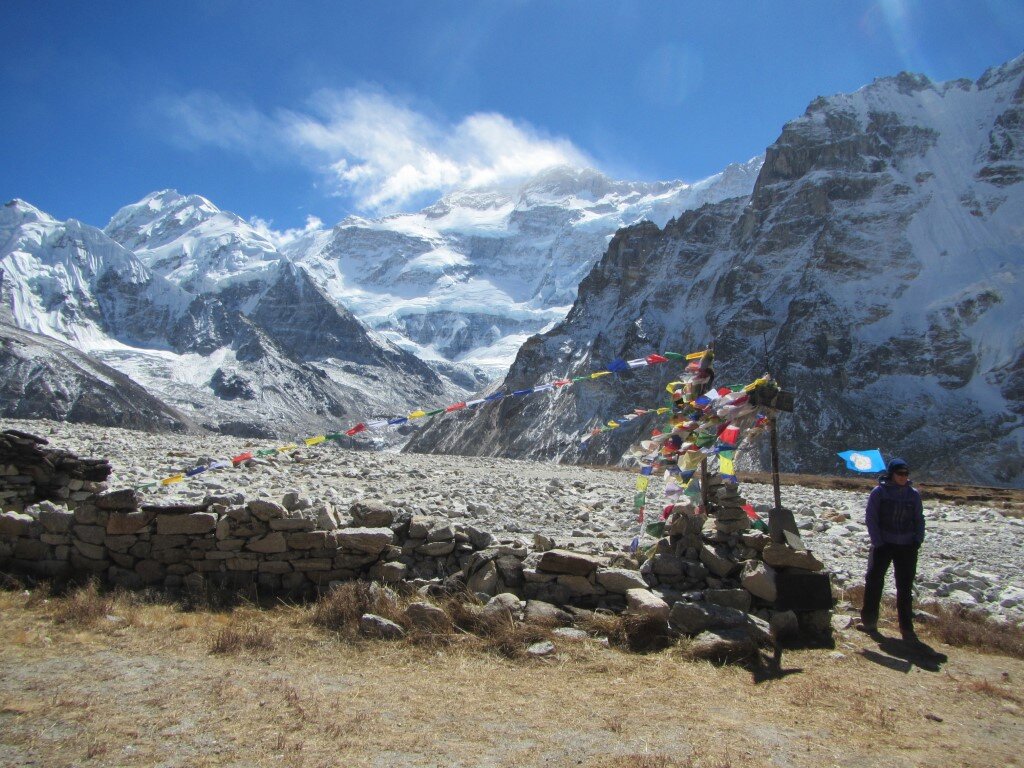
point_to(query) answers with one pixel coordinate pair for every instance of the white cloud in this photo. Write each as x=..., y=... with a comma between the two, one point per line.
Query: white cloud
x=376, y=150
x=281, y=238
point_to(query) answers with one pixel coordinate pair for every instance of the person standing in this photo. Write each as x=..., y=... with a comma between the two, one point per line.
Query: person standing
x=895, y=521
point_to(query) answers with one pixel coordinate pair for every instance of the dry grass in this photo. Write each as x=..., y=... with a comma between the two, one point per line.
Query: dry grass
x=961, y=627
x=317, y=695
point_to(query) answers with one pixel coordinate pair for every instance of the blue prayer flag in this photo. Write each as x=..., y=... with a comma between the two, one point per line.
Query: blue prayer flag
x=863, y=461
x=618, y=365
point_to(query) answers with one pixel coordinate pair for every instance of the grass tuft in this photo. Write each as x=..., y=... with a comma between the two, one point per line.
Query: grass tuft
x=962, y=627
x=231, y=641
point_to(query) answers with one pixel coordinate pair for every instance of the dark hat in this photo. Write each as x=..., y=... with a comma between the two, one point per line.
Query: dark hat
x=895, y=464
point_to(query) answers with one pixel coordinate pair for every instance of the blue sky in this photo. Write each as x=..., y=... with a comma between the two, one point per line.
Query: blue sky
x=288, y=110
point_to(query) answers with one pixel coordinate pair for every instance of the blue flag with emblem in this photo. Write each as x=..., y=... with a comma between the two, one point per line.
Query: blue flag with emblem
x=863, y=461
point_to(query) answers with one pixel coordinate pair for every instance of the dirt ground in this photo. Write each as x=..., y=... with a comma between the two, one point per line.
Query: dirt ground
x=144, y=687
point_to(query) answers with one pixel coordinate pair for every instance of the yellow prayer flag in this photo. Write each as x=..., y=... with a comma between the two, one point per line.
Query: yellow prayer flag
x=672, y=386
x=417, y=414
x=697, y=355
x=315, y=440
x=642, y=482
x=692, y=459
x=725, y=466
x=289, y=447
x=612, y=424
x=172, y=479
x=663, y=410
x=599, y=374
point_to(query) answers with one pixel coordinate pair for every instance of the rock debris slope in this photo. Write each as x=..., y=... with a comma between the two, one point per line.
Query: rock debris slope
x=875, y=270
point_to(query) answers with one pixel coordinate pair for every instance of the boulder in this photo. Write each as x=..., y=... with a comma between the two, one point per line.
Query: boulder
x=717, y=561
x=721, y=645
x=266, y=510
x=572, y=563
x=124, y=498
x=372, y=625
x=196, y=523
x=428, y=617
x=271, y=543
x=540, y=612
x=371, y=514
x=620, y=580
x=729, y=598
x=370, y=540
x=15, y=524
x=643, y=602
x=123, y=523
x=484, y=580
x=56, y=520
x=759, y=580
x=783, y=556
x=503, y=605
x=694, y=618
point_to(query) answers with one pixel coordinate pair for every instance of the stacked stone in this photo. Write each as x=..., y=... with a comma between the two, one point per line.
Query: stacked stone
x=290, y=546
x=726, y=506
x=564, y=577
x=29, y=472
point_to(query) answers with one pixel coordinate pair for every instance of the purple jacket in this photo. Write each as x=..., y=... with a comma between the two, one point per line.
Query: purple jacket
x=895, y=515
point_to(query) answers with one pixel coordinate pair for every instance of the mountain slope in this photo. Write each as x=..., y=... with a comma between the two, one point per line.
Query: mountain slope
x=471, y=277
x=42, y=378
x=247, y=341
x=875, y=270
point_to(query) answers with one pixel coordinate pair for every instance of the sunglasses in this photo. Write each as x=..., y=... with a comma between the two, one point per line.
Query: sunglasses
x=902, y=472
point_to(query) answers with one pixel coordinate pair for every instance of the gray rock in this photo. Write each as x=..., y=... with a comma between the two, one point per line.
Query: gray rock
x=693, y=618
x=543, y=648
x=645, y=603
x=620, y=580
x=372, y=625
x=572, y=563
x=759, y=580
x=783, y=556
x=371, y=514
x=265, y=509
x=428, y=617
x=370, y=540
x=729, y=598
x=502, y=605
x=727, y=644
x=540, y=612
x=196, y=523
x=717, y=560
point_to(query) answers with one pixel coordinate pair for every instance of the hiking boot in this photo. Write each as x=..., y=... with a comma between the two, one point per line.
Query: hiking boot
x=869, y=627
x=910, y=637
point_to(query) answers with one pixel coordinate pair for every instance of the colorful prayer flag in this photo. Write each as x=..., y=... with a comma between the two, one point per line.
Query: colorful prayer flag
x=320, y=438
x=356, y=429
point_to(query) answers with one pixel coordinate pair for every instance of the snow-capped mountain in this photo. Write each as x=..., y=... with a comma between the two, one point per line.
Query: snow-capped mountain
x=246, y=341
x=471, y=277
x=875, y=270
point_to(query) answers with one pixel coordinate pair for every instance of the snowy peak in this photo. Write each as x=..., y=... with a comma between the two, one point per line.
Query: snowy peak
x=17, y=212
x=191, y=242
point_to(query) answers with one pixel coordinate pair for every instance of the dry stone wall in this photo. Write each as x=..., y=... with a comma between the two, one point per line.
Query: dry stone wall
x=706, y=576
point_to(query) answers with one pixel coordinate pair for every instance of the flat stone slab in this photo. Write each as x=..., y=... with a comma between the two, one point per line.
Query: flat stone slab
x=570, y=563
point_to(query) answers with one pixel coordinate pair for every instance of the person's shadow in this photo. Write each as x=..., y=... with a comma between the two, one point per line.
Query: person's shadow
x=903, y=656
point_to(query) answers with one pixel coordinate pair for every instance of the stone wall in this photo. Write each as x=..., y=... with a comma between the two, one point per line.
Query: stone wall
x=706, y=574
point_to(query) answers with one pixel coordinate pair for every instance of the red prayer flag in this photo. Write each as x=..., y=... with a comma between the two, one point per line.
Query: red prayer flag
x=356, y=429
x=562, y=382
x=654, y=359
x=730, y=435
x=455, y=407
x=750, y=512
x=241, y=457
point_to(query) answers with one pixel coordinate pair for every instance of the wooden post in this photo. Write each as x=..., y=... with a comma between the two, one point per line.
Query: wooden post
x=773, y=425
x=704, y=484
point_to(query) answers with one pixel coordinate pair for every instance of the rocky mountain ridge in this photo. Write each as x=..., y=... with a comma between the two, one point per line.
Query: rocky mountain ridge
x=256, y=350
x=875, y=270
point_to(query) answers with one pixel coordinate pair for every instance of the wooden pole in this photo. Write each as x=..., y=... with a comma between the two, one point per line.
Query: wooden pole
x=773, y=426
x=704, y=484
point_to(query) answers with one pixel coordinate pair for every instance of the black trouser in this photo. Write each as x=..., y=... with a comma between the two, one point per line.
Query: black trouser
x=904, y=560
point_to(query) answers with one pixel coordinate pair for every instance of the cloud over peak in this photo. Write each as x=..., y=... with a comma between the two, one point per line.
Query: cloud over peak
x=374, y=149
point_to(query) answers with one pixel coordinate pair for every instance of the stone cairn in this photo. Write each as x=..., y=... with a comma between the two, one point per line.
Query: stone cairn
x=709, y=576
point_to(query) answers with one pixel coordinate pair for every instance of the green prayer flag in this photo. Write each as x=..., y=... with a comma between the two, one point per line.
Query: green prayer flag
x=657, y=530
x=673, y=356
